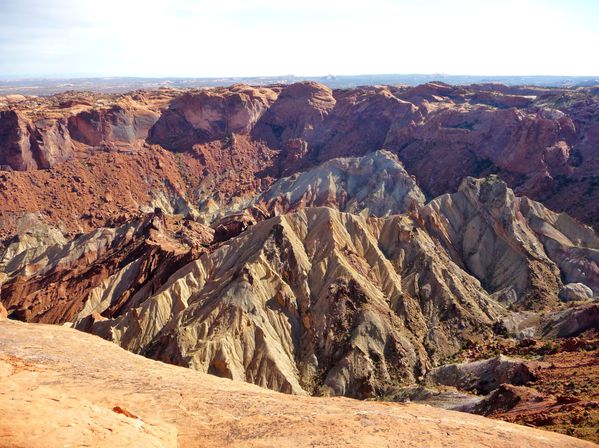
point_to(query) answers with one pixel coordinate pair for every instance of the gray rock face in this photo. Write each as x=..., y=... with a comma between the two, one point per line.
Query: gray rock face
x=446, y=399
x=34, y=239
x=571, y=322
x=376, y=184
x=564, y=323
x=575, y=292
x=482, y=376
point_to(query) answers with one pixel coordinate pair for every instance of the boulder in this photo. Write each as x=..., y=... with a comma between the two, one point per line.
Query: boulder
x=483, y=376
x=575, y=292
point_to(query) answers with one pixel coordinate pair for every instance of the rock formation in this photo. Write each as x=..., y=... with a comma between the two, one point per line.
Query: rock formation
x=229, y=144
x=519, y=250
x=81, y=390
x=315, y=301
x=376, y=184
x=32, y=144
x=356, y=242
x=557, y=393
x=99, y=272
x=483, y=376
x=311, y=302
x=575, y=292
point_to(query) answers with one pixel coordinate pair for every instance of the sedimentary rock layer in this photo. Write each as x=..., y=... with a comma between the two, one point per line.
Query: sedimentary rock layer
x=228, y=144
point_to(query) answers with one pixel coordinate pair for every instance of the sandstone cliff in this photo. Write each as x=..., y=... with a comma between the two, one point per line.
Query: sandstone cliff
x=229, y=144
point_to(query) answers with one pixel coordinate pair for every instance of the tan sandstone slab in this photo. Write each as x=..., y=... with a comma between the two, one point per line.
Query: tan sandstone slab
x=61, y=387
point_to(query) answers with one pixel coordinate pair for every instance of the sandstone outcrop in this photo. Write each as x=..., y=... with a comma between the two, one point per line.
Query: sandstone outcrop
x=571, y=322
x=506, y=397
x=28, y=145
x=232, y=225
x=203, y=116
x=232, y=143
x=483, y=376
x=117, y=126
x=575, y=292
x=80, y=389
x=41, y=133
x=298, y=111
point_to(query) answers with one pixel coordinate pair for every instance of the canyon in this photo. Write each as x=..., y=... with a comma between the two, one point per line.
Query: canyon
x=220, y=147
x=428, y=243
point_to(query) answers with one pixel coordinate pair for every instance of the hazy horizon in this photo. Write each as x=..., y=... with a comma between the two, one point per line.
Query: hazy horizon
x=59, y=77
x=200, y=39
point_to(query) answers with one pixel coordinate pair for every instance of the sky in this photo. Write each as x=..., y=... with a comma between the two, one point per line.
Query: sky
x=214, y=38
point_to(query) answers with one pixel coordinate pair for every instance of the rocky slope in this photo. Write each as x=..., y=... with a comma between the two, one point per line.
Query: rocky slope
x=81, y=390
x=376, y=184
x=228, y=144
x=551, y=384
x=520, y=251
x=316, y=301
x=311, y=302
x=102, y=272
x=260, y=301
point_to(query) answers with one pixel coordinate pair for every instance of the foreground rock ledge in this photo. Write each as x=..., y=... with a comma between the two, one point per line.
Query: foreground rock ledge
x=61, y=387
